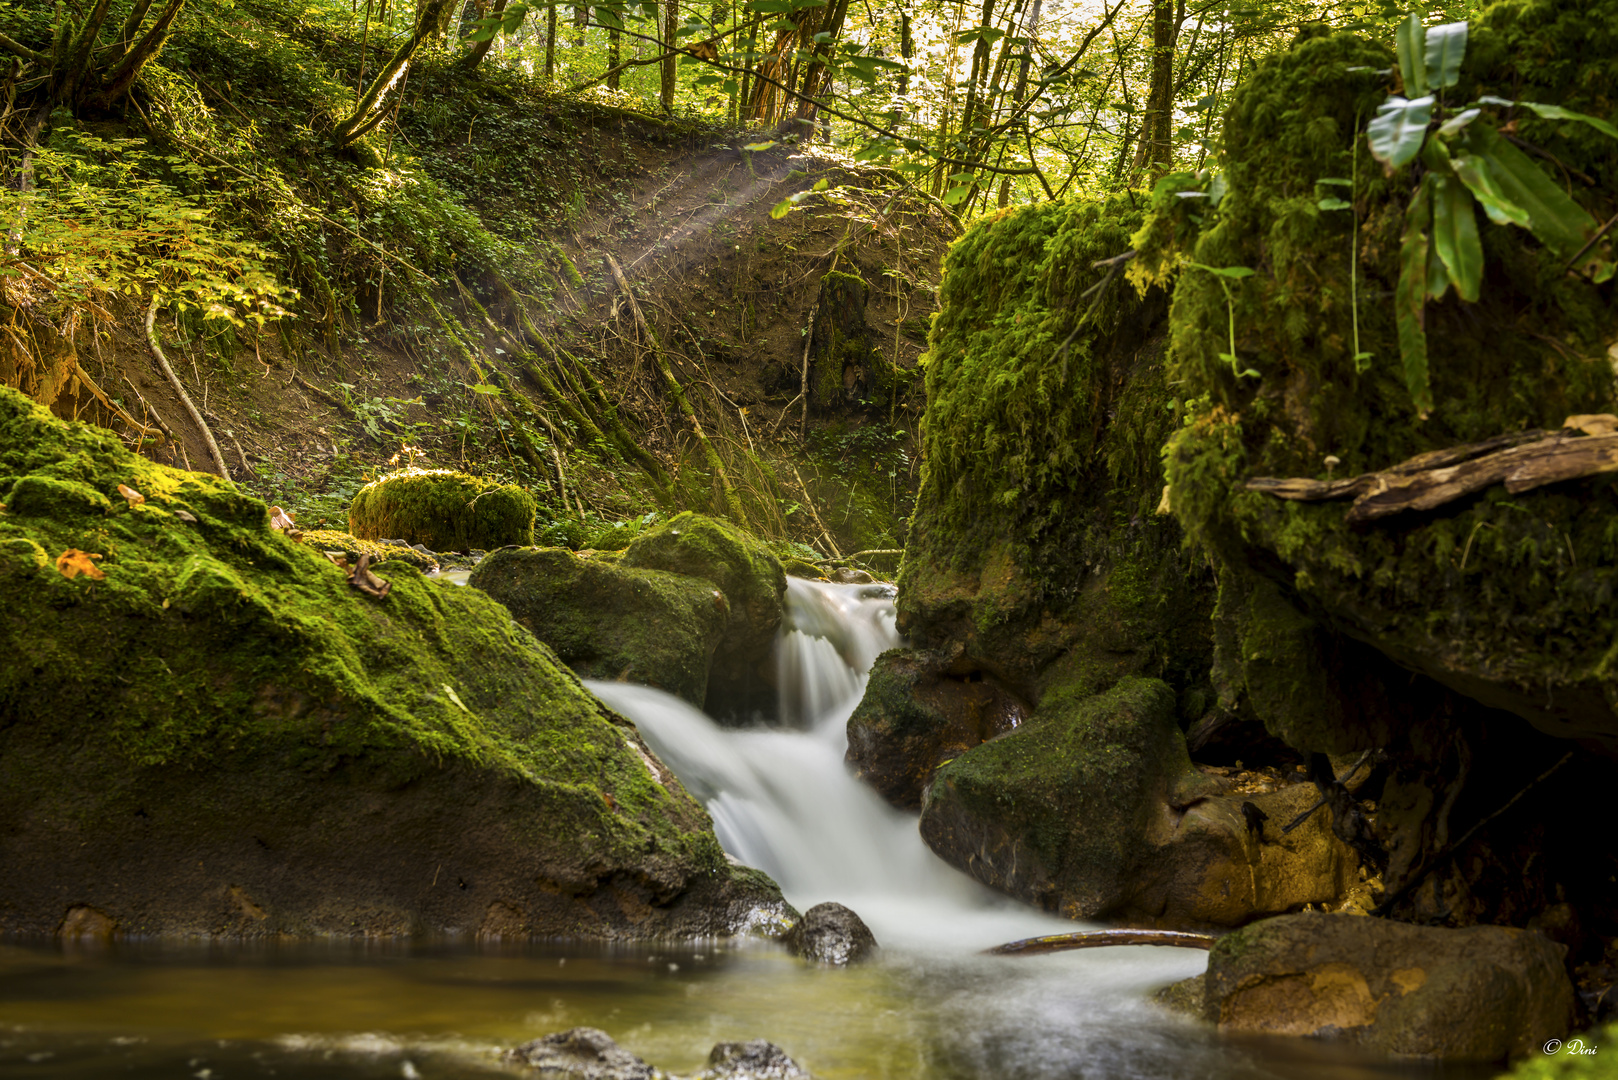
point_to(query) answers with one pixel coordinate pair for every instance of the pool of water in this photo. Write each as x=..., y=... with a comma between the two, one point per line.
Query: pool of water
x=135, y=1009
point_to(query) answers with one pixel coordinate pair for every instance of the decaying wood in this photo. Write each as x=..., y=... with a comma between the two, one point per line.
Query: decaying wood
x=1096, y=939
x=179, y=388
x=1522, y=461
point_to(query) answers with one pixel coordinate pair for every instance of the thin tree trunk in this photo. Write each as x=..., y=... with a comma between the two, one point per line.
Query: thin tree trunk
x=366, y=114
x=612, y=59
x=671, y=23
x=550, y=43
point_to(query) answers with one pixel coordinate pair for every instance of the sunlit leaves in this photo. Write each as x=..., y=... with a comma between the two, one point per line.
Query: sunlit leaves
x=1409, y=43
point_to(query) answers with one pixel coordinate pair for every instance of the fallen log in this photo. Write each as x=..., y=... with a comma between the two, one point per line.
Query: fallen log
x=1522, y=460
x=1096, y=939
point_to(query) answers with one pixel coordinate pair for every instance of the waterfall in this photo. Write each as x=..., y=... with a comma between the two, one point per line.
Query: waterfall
x=782, y=799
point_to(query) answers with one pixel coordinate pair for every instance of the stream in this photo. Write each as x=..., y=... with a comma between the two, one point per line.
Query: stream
x=929, y=1008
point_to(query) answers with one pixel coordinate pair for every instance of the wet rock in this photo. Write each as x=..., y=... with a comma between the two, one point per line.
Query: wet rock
x=830, y=933
x=1183, y=997
x=848, y=575
x=328, y=763
x=741, y=680
x=755, y=1059
x=1477, y=994
x=915, y=716
x=610, y=622
x=581, y=1053
x=1093, y=809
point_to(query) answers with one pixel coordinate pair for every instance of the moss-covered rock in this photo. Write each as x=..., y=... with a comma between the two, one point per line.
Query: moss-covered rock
x=915, y=716
x=1035, y=547
x=742, y=679
x=847, y=368
x=1480, y=994
x=352, y=547
x=612, y=622
x=215, y=733
x=1093, y=810
x=443, y=511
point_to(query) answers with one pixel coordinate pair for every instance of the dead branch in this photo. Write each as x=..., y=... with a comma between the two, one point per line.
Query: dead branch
x=809, y=504
x=1530, y=459
x=1096, y=939
x=179, y=388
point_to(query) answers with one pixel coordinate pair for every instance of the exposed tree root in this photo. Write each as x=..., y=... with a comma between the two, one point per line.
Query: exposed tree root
x=179, y=388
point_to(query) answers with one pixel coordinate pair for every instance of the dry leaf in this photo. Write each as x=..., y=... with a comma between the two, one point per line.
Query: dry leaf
x=1592, y=423
x=186, y=517
x=74, y=562
x=338, y=559
x=134, y=497
x=366, y=582
x=281, y=521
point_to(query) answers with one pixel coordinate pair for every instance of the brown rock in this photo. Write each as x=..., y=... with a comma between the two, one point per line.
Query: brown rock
x=1483, y=993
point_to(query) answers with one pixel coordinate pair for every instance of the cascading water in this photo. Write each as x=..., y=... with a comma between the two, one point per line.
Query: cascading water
x=783, y=801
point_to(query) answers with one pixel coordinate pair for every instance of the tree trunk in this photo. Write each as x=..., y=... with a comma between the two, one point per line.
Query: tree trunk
x=671, y=23
x=480, y=49
x=612, y=59
x=1156, y=154
x=366, y=114
x=550, y=43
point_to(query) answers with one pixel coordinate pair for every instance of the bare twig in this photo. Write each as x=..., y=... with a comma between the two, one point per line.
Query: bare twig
x=179, y=388
x=1096, y=939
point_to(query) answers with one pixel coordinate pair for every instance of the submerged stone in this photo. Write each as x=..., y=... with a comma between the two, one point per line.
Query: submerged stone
x=581, y=1053
x=443, y=510
x=221, y=736
x=832, y=934
x=1483, y=993
x=608, y=621
x=755, y=1059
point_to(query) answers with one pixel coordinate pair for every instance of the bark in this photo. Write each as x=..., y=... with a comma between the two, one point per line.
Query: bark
x=1095, y=939
x=671, y=23
x=480, y=49
x=366, y=114
x=123, y=76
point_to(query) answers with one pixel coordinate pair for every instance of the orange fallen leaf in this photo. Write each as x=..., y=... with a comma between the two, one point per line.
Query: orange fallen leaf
x=281, y=520
x=74, y=562
x=134, y=497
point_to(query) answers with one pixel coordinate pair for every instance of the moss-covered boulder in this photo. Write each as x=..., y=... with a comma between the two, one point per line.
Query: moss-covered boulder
x=1480, y=994
x=741, y=681
x=351, y=547
x=443, y=511
x=1035, y=547
x=915, y=716
x=204, y=728
x=1093, y=810
x=612, y=622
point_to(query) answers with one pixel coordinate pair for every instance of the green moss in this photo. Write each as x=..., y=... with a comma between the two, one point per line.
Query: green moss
x=352, y=548
x=443, y=510
x=612, y=622
x=1035, y=540
x=1059, y=808
x=219, y=647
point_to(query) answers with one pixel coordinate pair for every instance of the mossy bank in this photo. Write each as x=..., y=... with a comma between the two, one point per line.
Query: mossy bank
x=213, y=732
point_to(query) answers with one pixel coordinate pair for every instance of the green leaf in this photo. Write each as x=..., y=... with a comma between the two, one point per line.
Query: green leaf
x=1455, y=235
x=782, y=208
x=1398, y=130
x=1335, y=204
x=956, y=194
x=1410, y=298
x=1560, y=223
x=768, y=7
x=1457, y=123
x=1556, y=112
x=988, y=34
x=485, y=388
x=1236, y=272
x=1446, y=45
x=1474, y=173
x=821, y=185
x=1335, y=181
x=758, y=147
x=1409, y=42
x=607, y=17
